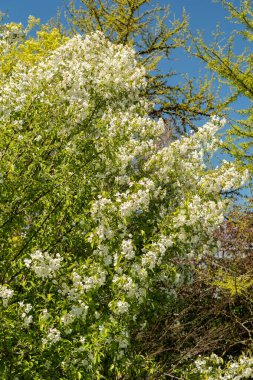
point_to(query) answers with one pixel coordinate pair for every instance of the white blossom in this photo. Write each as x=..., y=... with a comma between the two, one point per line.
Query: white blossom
x=43, y=264
x=5, y=293
x=53, y=336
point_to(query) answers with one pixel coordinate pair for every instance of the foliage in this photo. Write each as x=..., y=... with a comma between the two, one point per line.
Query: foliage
x=235, y=238
x=93, y=210
x=155, y=35
x=236, y=285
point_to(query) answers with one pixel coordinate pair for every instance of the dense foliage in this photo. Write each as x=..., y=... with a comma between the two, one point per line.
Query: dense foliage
x=93, y=211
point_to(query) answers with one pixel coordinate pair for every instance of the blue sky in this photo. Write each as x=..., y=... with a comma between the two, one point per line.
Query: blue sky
x=19, y=10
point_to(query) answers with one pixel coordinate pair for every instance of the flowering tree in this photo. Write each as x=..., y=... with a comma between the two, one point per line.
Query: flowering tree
x=92, y=212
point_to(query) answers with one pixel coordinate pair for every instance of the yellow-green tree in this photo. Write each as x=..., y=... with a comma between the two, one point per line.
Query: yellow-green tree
x=236, y=71
x=18, y=46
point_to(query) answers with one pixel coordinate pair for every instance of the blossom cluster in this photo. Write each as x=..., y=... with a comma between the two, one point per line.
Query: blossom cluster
x=5, y=293
x=214, y=368
x=43, y=264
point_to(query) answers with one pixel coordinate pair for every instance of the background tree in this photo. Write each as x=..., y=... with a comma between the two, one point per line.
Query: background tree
x=155, y=35
x=19, y=47
x=235, y=70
